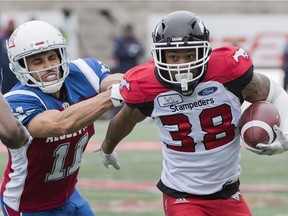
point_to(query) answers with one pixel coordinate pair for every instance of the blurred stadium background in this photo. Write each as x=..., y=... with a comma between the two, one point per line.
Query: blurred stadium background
x=90, y=26
x=261, y=27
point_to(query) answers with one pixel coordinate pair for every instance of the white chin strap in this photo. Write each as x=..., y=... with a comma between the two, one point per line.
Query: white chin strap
x=184, y=79
x=50, y=89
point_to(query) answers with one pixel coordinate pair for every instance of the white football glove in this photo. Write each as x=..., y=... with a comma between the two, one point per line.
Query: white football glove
x=116, y=97
x=279, y=145
x=109, y=160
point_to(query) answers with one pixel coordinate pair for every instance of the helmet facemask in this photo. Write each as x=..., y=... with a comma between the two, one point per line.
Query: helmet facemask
x=184, y=76
x=27, y=77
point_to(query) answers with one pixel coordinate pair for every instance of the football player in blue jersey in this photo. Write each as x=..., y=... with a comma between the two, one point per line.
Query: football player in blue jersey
x=57, y=100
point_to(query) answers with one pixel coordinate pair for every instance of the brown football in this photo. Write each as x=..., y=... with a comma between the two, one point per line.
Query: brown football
x=257, y=121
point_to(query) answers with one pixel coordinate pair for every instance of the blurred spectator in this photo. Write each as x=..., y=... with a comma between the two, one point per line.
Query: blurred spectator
x=127, y=50
x=9, y=78
x=285, y=67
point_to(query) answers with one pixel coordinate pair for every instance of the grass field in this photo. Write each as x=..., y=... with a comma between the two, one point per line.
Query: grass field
x=264, y=180
x=132, y=191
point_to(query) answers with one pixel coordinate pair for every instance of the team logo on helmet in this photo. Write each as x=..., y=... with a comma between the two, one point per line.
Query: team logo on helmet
x=11, y=39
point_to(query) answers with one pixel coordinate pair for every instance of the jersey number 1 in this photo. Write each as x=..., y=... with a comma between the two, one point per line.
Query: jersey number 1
x=60, y=154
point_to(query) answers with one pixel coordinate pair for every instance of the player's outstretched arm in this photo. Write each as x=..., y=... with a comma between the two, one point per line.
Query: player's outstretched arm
x=54, y=123
x=119, y=127
x=110, y=80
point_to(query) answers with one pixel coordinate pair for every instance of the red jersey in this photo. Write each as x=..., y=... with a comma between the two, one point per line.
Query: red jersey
x=199, y=132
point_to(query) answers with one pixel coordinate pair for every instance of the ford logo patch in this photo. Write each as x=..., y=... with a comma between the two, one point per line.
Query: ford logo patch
x=207, y=91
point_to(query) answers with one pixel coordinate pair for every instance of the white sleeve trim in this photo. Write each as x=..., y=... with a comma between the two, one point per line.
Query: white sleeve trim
x=25, y=92
x=88, y=73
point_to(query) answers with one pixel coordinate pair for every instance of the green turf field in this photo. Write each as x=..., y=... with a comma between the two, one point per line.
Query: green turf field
x=264, y=179
x=132, y=191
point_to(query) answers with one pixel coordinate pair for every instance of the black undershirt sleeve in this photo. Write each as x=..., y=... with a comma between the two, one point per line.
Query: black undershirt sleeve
x=236, y=86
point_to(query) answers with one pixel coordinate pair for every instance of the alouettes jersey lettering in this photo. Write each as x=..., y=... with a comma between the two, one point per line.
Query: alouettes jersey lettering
x=43, y=175
x=199, y=133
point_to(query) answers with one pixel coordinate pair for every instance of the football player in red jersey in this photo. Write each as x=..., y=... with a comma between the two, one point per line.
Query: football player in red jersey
x=57, y=100
x=194, y=94
x=12, y=133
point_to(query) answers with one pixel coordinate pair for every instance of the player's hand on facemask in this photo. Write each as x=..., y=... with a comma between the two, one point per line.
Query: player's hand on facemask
x=116, y=97
x=278, y=146
x=109, y=160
